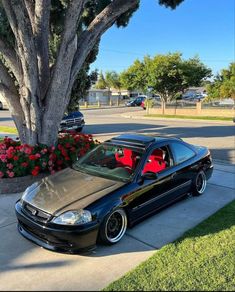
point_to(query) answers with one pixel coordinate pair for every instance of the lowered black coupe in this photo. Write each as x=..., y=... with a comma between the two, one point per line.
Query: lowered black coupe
x=111, y=188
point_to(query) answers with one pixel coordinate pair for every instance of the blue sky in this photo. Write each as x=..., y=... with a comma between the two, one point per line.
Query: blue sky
x=197, y=27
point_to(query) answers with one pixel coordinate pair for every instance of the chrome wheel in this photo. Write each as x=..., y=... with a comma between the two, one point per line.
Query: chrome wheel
x=201, y=182
x=116, y=226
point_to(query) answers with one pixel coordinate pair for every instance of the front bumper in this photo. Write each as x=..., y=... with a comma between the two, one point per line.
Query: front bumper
x=70, y=239
x=64, y=127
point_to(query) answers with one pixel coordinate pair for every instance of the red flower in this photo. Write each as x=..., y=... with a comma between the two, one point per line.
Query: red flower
x=60, y=146
x=37, y=155
x=10, y=173
x=64, y=152
x=16, y=158
x=32, y=157
x=24, y=164
x=35, y=171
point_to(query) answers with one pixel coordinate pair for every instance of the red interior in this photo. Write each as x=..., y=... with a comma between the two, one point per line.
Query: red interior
x=127, y=159
x=155, y=162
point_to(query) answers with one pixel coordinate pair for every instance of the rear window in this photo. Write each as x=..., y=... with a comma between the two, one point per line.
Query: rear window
x=181, y=152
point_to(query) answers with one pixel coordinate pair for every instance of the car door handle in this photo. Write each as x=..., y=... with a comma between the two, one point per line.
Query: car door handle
x=173, y=175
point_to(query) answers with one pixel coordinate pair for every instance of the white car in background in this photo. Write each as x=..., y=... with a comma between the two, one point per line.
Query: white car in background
x=227, y=101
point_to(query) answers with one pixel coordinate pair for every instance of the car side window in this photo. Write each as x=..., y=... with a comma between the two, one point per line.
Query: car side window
x=158, y=160
x=181, y=152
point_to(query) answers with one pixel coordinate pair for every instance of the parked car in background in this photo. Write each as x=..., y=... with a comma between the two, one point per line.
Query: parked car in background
x=227, y=102
x=195, y=97
x=136, y=101
x=154, y=99
x=112, y=187
x=72, y=121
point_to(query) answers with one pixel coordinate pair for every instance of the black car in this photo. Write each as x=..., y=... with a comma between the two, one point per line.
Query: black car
x=136, y=102
x=72, y=121
x=112, y=187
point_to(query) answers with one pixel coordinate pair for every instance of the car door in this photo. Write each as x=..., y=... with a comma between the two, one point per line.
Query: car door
x=184, y=168
x=152, y=194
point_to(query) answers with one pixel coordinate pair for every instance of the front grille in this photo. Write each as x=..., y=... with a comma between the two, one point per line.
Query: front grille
x=71, y=122
x=35, y=214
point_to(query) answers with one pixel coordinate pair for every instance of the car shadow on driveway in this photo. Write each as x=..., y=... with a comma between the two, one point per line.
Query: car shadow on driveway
x=14, y=250
x=161, y=129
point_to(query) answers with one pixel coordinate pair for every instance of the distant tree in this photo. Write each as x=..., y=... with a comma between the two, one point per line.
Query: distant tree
x=134, y=78
x=167, y=75
x=223, y=85
x=101, y=81
x=113, y=80
x=227, y=88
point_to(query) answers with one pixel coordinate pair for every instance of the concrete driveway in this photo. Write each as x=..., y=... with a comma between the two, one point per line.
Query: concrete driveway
x=25, y=266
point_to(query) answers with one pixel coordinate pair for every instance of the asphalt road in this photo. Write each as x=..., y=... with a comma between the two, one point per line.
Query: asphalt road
x=104, y=123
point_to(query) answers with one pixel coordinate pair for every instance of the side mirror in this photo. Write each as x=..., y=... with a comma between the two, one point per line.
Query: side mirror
x=149, y=175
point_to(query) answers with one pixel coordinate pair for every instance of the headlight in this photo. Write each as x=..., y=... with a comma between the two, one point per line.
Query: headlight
x=73, y=218
x=30, y=191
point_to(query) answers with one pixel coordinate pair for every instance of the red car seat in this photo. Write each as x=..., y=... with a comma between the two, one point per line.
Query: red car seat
x=127, y=159
x=155, y=162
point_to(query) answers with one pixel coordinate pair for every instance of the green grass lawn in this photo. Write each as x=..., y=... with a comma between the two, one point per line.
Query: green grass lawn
x=191, y=117
x=10, y=130
x=202, y=260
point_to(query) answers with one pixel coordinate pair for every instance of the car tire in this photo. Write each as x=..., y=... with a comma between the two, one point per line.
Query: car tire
x=113, y=227
x=1, y=106
x=199, y=184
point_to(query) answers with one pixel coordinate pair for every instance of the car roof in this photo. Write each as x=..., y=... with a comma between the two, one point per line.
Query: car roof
x=139, y=140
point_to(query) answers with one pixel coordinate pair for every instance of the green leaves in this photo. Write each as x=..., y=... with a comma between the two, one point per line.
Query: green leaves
x=168, y=74
x=223, y=85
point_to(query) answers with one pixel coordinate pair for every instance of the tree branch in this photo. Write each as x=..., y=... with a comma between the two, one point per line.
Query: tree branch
x=10, y=93
x=31, y=11
x=20, y=24
x=41, y=31
x=10, y=57
x=5, y=79
x=67, y=49
x=97, y=27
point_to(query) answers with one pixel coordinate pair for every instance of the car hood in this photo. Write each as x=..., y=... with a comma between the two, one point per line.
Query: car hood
x=69, y=190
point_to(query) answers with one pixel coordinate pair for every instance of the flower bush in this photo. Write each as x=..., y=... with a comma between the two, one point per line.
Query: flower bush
x=18, y=159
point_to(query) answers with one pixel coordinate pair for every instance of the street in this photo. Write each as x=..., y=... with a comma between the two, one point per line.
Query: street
x=218, y=136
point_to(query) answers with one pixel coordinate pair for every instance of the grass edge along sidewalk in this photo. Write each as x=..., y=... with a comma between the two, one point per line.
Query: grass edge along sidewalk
x=201, y=260
x=190, y=117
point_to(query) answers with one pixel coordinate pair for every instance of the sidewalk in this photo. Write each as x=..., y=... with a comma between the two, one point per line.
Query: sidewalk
x=142, y=115
x=24, y=265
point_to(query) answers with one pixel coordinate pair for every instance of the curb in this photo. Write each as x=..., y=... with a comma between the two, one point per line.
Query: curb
x=98, y=108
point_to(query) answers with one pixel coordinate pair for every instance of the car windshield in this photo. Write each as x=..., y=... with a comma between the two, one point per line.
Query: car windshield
x=110, y=161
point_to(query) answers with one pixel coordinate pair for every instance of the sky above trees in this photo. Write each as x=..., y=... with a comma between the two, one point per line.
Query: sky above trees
x=197, y=27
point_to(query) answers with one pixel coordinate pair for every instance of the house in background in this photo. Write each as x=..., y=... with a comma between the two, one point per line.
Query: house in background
x=98, y=95
x=124, y=93
x=105, y=95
